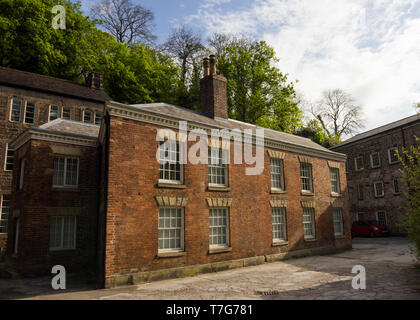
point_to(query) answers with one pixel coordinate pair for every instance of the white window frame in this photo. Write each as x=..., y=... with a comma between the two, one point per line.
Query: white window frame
x=377, y=216
x=376, y=191
x=389, y=156
x=355, y=164
x=181, y=166
x=5, y=158
x=95, y=116
x=278, y=176
x=26, y=106
x=182, y=230
x=61, y=247
x=22, y=173
x=49, y=112
x=227, y=227
x=393, y=186
x=335, y=182
x=11, y=110
x=91, y=116
x=310, y=177
x=222, y=166
x=62, y=113
x=1, y=211
x=339, y=221
x=65, y=185
x=371, y=160
x=281, y=211
x=312, y=214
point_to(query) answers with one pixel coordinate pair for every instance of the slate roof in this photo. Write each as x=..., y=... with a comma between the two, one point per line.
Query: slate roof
x=33, y=81
x=70, y=127
x=191, y=115
x=379, y=130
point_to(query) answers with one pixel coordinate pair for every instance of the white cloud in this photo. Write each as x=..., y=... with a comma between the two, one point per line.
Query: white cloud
x=369, y=48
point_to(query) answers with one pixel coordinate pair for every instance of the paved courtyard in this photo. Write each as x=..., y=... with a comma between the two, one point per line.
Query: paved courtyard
x=389, y=267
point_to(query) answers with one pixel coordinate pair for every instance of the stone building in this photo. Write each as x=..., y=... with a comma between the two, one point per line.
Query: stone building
x=373, y=175
x=160, y=219
x=28, y=100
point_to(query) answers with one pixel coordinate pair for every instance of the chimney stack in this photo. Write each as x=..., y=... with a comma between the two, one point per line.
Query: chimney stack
x=213, y=91
x=94, y=80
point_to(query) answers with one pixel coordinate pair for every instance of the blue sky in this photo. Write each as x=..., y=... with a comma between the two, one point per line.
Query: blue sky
x=369, y=48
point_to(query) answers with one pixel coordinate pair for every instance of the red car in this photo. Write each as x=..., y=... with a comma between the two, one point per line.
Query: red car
x=370, y=228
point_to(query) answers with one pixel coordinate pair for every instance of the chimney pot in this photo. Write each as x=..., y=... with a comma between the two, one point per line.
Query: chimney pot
x=212, y=64
x=206, y=65
x=94, y=80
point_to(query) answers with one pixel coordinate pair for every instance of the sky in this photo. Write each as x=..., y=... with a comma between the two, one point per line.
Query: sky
x=369, y=48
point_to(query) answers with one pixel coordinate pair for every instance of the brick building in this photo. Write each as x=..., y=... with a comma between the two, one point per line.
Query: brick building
x=157, y=220
x=373, y=175
x=28, y=100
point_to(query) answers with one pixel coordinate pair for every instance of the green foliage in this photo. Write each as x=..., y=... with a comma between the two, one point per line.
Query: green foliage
x=410, y=159
x=314, y=131
x=258, y=92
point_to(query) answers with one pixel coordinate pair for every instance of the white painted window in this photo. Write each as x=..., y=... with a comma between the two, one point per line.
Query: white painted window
x=4, y=212
x=22, y=173
x=16, y=110
x=306, y=177
x=396, y=186
x=54, y=112
x=379, y=189
x=171, y=229
x=277, y=174
x=360, y=191
x=29, y=112
x=170, y=168
x=375, y=160
x=9, y=156
x=66, y=171
x=217, y=167
x=381, y=218
x=338, y=221
x=309, y=223
x=393, y=155
x=87, y=116
x=63, y=233
x=66, y=113
x=358, y=163
x=219, y=227
x=335, y=180
x=98, y=118
x=278, y=218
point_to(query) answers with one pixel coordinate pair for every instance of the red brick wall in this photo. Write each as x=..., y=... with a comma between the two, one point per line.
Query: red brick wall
x=392, y=204
x=39, y=201
x=9, y=130
x=132, y=213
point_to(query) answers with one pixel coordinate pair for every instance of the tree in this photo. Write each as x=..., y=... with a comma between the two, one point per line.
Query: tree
x=312, y=130
x=410, y=159
x=185, y=46
x=128, y=23
x=338, y=114
x=28, y=41
x=258, y=92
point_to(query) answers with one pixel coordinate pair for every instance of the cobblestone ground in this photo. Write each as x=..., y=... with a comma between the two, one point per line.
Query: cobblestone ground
x=389, y=267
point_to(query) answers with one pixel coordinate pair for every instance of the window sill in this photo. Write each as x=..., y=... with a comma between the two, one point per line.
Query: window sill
x=71, y=189
x=171, y=254
x=220, y=250
x=217, y=188
x=378, y=197
x=276, y=191
x=310, y=240
x=304, y=193
x=396, y=193
x=279, y=243
x=62, y=250
x=338, y=237
x=171, y=185
x=336, y=195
